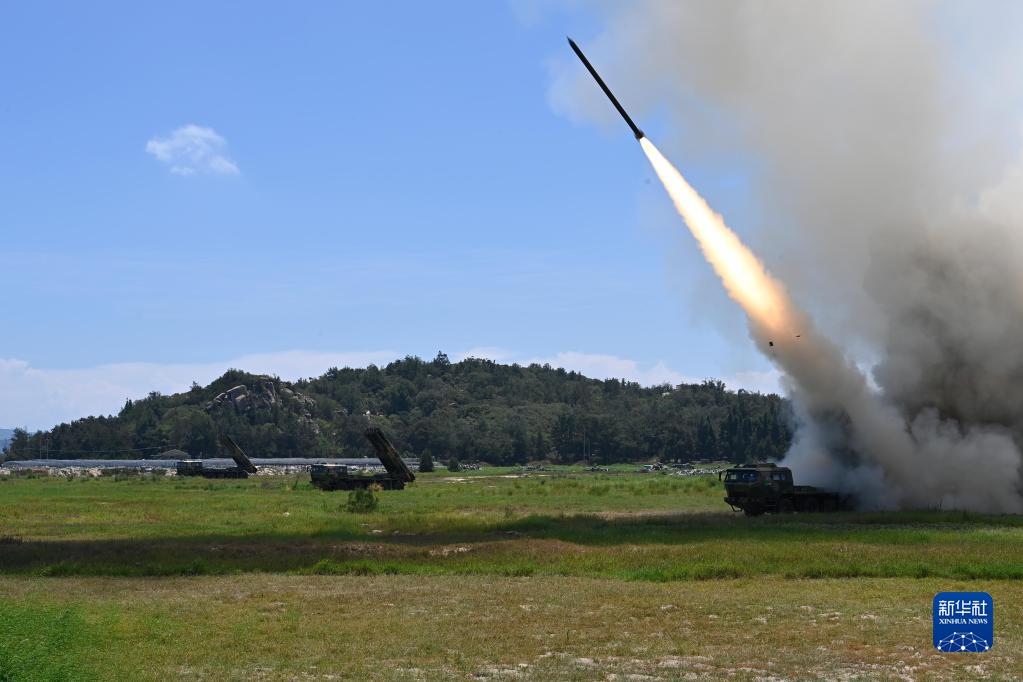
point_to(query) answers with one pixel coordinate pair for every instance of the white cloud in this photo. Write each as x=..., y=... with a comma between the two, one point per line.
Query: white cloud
x=601, y=366
x=193, y=149
x=38, y=398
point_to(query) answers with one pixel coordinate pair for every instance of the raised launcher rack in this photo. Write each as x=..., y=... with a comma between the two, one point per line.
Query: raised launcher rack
x=243, y=465
x=341, y=477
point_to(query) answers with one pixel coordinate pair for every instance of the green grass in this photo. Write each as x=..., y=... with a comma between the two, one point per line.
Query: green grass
x=103, y=508
x=558, y=575
x=622, y=526
x=43, y=642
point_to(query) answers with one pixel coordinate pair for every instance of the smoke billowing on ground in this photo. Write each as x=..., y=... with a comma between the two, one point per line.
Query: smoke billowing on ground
x=885, y=140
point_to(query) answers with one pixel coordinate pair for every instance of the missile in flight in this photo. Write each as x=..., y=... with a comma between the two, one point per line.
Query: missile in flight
x=607, y=91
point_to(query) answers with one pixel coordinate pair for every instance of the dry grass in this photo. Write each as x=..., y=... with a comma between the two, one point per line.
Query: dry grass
x=404, y=627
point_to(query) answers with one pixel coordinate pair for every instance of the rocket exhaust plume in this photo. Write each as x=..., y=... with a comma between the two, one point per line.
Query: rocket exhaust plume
x=889, y=465
x=852, y=439
x=906, y=218
x=747, y=282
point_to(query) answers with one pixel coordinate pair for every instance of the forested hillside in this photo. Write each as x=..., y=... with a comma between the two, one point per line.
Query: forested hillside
x=474, y=409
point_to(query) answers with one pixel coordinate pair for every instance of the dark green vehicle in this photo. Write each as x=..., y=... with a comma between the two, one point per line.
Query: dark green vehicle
x=243, y=465
x=196, y=467
x=341, y=477
x=766, y=487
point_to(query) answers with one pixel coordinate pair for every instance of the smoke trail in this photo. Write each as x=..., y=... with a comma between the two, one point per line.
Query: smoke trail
x=853, y=439
x=887, y=136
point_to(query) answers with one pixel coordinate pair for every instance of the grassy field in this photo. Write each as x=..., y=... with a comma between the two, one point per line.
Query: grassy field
x=484, y=575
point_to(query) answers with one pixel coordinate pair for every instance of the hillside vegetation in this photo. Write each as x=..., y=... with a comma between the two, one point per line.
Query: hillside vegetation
x=474, y=409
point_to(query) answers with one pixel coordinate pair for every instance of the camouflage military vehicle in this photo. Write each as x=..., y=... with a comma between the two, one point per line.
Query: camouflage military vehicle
x=196, y=467
x=342, y=477
x=189, y=467
x=766, y=487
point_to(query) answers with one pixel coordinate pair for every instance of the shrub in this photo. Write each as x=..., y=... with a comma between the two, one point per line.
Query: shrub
x=361, y=501
x=454, y=465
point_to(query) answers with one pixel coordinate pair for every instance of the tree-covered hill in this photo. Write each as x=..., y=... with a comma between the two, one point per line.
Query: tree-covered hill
x=474, y=409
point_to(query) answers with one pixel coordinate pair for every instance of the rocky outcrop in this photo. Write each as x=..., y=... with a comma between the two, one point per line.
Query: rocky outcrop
x=262, y=396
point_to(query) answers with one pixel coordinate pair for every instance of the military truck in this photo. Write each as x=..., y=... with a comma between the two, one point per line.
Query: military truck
x=196, y=467
x=766, y=487
x=342, y=477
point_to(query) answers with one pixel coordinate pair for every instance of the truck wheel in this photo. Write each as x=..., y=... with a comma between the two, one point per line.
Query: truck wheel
x=786, y=507
x=811, y=506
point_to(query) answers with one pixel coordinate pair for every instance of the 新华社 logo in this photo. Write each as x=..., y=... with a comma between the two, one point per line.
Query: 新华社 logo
x=964, y=622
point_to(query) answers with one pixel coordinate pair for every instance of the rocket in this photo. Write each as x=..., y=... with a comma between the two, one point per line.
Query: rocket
x=607, y=91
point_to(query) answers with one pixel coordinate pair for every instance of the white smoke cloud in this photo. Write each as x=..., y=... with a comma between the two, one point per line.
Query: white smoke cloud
x=193, y=149
x=884, y=139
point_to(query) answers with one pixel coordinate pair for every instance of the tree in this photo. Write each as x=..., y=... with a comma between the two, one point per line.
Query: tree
x=473, y=409
x=454, y=464
x=706, y=439
x=426, y=462
x=190, y=429
x=18, y=447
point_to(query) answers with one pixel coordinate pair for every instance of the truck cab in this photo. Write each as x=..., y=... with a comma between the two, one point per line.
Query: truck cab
x=758, y=488
x=765, y=487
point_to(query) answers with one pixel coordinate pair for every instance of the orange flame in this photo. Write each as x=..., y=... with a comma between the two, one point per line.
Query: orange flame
x=745, y=278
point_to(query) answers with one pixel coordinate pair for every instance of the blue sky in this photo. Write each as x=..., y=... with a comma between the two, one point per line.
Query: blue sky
x=372, y=180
